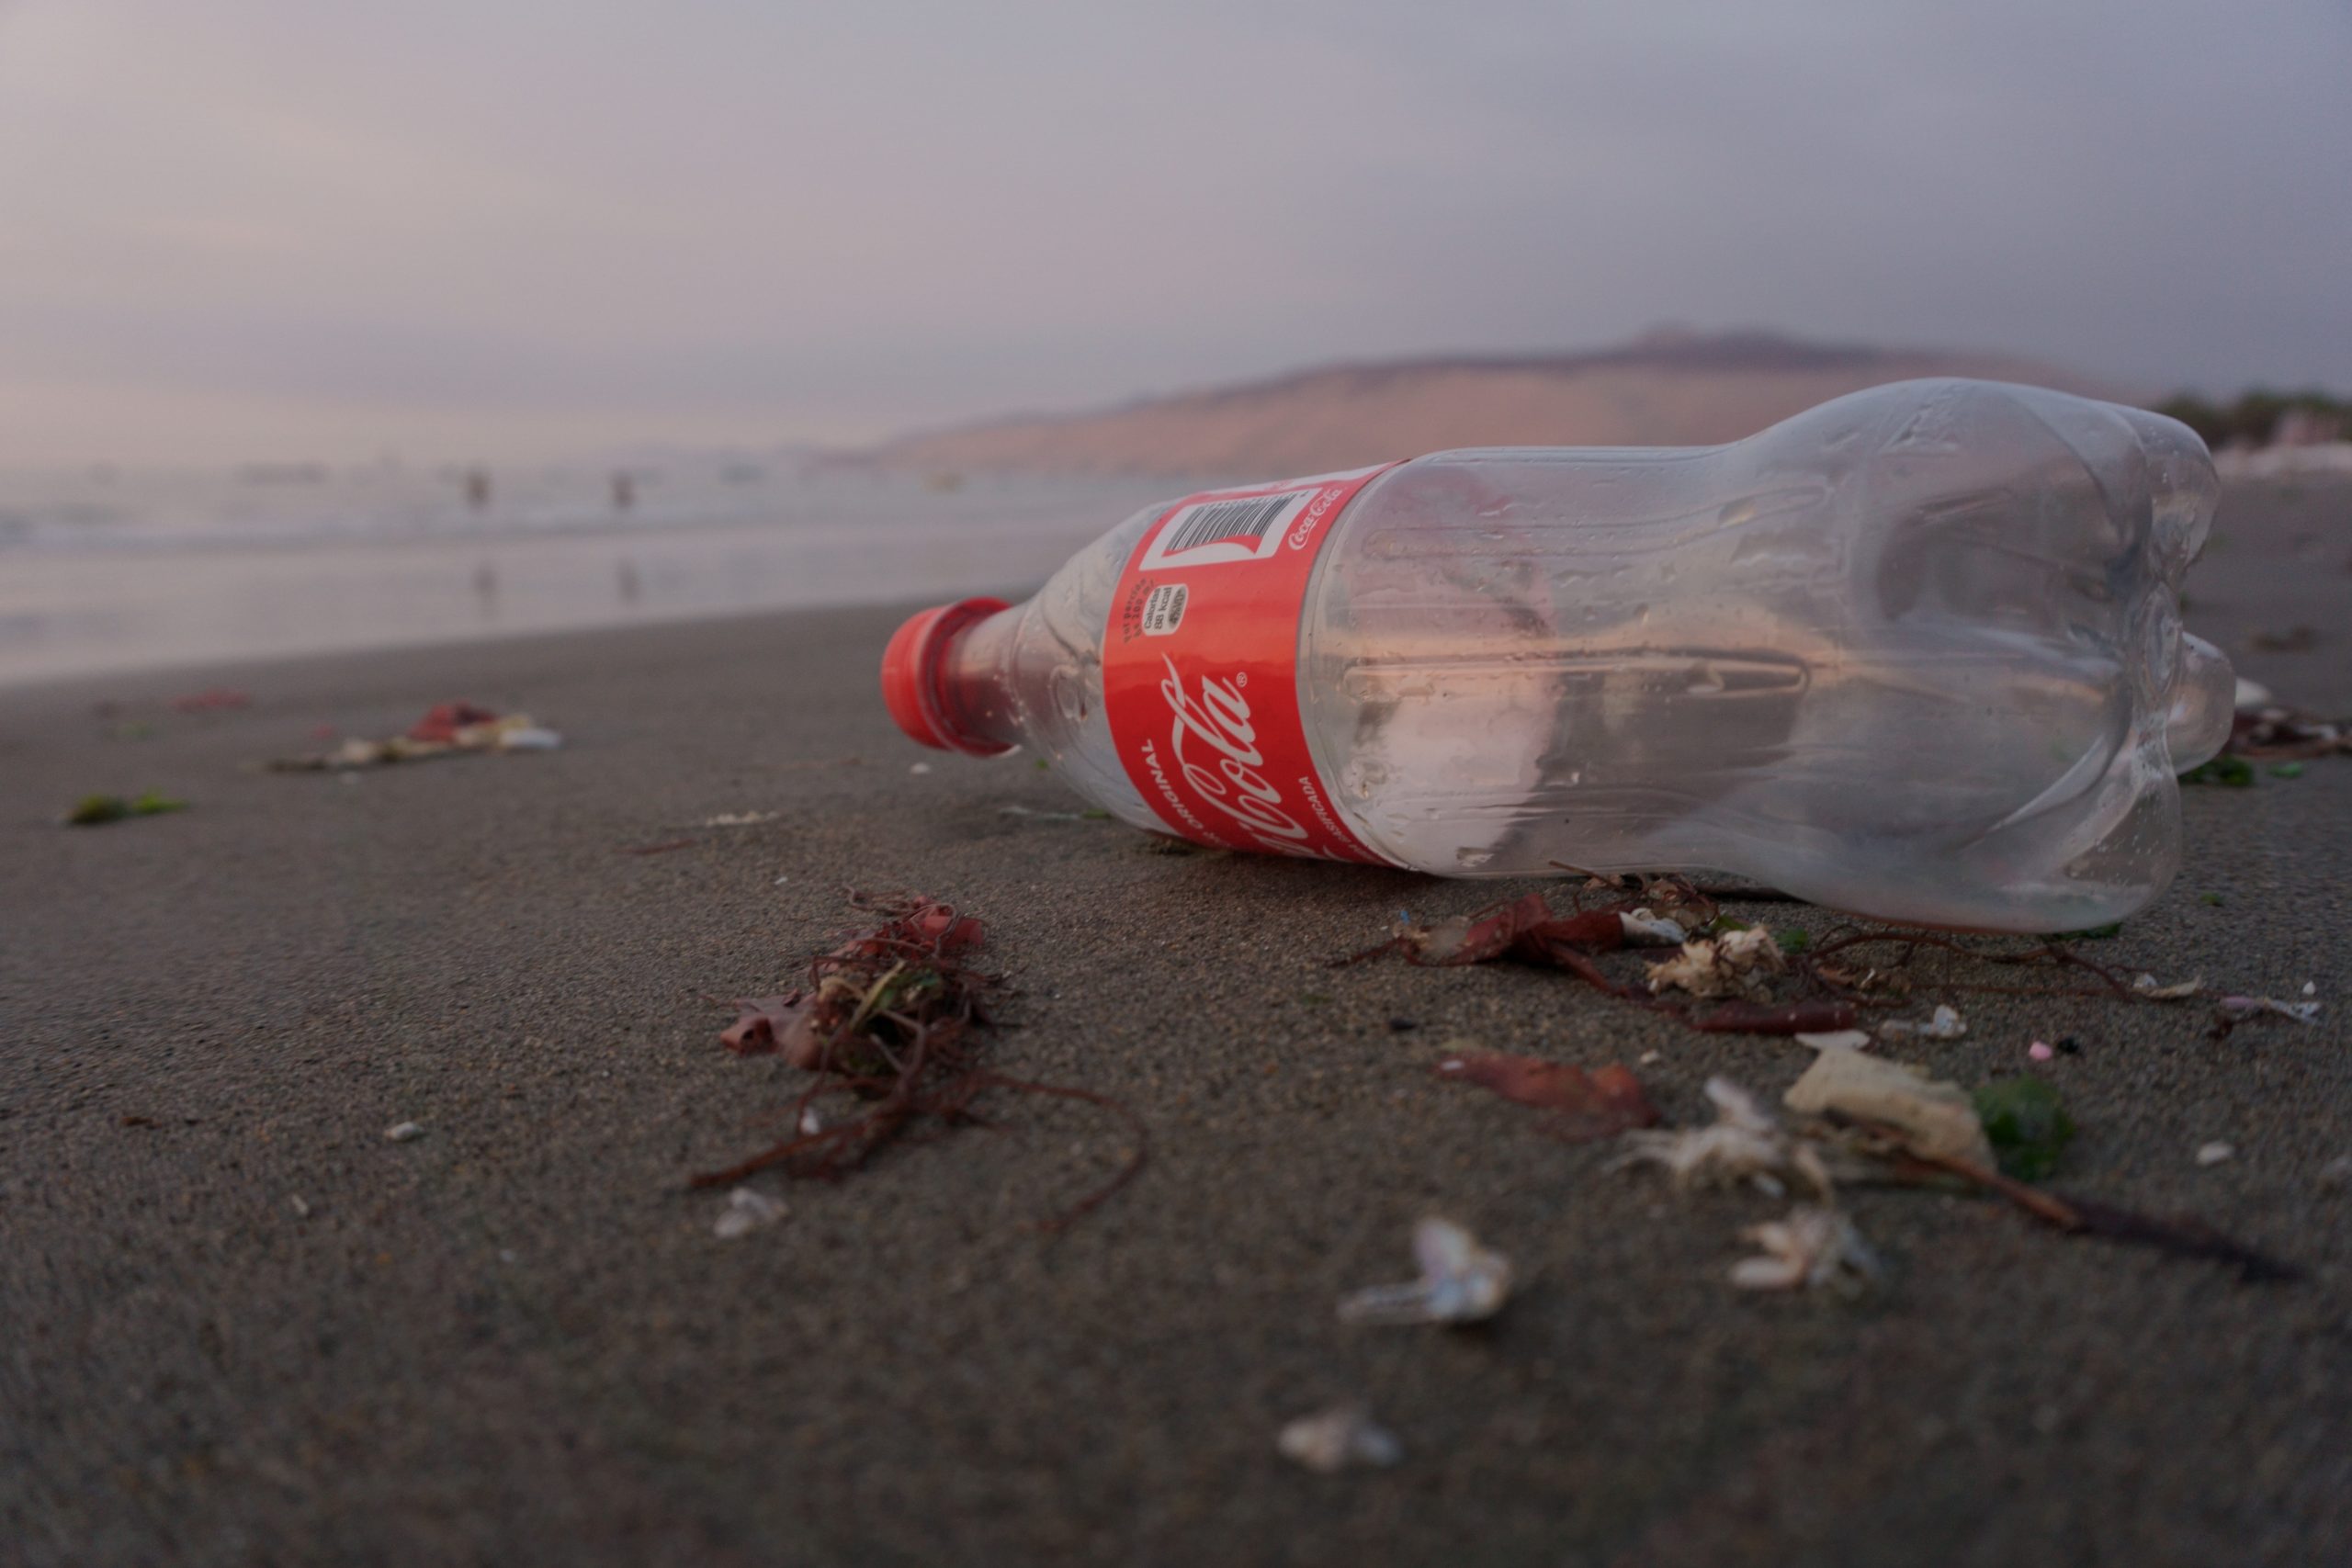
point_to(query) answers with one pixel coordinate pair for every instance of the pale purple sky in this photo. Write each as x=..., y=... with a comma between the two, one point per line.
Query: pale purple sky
x=237, y=228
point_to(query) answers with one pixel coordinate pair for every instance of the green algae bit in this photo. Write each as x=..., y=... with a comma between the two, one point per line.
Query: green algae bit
x=95, y=809
x=2027, y=1125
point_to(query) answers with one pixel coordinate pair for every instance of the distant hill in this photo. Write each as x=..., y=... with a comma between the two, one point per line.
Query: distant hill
x=1665, y=389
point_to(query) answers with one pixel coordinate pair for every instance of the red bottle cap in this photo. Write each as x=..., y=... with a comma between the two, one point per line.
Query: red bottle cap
x=911, y=668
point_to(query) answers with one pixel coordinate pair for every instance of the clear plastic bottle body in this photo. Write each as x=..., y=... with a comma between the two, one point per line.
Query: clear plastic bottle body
x=1914, y=653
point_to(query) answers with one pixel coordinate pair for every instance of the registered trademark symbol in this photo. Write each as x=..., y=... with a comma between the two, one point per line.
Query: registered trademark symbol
x=1242, y=679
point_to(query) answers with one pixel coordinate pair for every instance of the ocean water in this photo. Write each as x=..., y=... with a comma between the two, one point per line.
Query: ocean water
x=115, y=569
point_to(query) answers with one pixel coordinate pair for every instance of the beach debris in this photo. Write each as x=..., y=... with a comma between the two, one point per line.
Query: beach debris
x=2026, y=1123
x=2148, y=985
x=2040, y=1051
x=2236, y=1010
x=887, y=1020
x=748, y=1208
x=1945, y=1024
x=96, y=810
x=1837, y=1040
x=1935, y=1117
x=1728, y=961
x=2269, y=731
x=2297, y=639
x=1460, y=1282
x=448, y=730
x=2215, y=1152
x=1745, y=1144
x=663, y=848
x=1814, y=1248
x=212, y=699
x=1736, y=963
x=404, y=1131
x=1332, y=1440
x=300, y=1205
x=2234, y=772
x=1526, y=927
x=740, y=818
x=1585, y=1106
x=1642, y=928
x=918, y=769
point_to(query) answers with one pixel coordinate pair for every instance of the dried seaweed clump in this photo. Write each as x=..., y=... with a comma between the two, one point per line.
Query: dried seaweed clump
x=889, y=1019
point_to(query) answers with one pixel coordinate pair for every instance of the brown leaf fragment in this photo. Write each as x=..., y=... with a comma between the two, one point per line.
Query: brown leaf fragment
x=1586, y=1106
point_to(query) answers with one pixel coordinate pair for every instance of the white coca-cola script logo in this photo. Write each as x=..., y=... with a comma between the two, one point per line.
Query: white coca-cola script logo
x=1218, y=718
x=1309, y=517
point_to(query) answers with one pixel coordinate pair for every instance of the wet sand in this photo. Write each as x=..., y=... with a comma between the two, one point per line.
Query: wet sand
x=515, y=1339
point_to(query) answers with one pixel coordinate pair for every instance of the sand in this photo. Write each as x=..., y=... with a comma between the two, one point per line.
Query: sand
x=259, y=1331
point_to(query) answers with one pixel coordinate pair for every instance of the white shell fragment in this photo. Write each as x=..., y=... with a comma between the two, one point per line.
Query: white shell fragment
x=1837, y=1040
x=1331, y=1440
x=748, y=1210
x=2215, y=1152
x=2247, y=1006
x=2149, y=986
x=1732, y=965
x=1461, y=1282
x=1644, y=929
x=1746, y=1144
x=404, y=1131
x=1947, y=1024
x=1939, y=1118
x=1813, y=1248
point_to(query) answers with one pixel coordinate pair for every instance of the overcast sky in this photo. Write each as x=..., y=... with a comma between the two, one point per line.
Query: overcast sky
x=235, y=229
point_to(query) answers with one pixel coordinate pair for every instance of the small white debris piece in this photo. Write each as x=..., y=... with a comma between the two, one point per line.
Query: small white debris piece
x=1746, y=1144
x=1940, y=1117
x=404, y=1131
x=920, y=768
x=1461, y=1282
x=2147, y=986
x=2247, y=1006
x=740, y=819
x=1732, y=965
x=1644, y=929
x=747, y=1209
x=812, y=1123
x=300, y=1205
x=780, y=881
x=2251, y=694
x=1650, y=1057
x=529, y=738
x=1947, y=1024
x=1837, y=1040
x=1330, y=1440
x=1813, y=1247
x=2215, y=1153
x=2336, y=1174
x=2311, y=988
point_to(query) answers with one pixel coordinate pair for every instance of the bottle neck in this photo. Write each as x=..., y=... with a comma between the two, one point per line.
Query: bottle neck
x=975, y=679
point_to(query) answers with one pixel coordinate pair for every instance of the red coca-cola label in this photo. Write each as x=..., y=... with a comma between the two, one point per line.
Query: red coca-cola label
x=1200, y=668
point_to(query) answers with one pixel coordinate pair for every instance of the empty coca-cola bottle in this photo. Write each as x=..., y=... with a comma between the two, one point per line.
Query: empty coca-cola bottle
x=1915, y=653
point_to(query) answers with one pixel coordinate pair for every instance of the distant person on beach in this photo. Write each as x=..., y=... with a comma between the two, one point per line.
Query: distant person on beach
x=624, y=490
x=478, y=490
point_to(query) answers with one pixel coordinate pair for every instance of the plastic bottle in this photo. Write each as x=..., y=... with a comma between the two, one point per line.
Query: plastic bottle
x=1915, y=653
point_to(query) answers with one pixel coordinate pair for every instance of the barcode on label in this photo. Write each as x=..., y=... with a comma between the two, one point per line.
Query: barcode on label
x=1207, y=532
